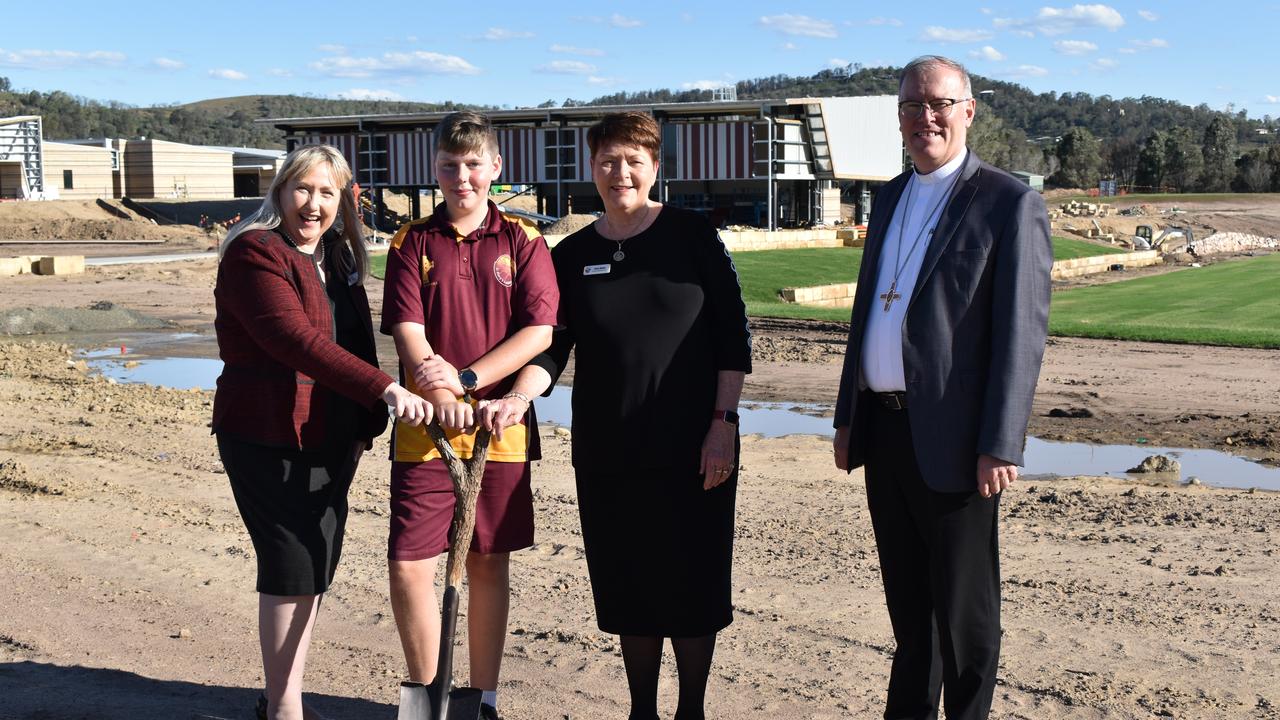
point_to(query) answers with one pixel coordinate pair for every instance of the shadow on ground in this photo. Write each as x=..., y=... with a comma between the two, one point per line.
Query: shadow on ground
x=40, y=691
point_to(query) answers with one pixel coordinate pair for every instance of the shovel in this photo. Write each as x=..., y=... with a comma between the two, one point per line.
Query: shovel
x=440, y=700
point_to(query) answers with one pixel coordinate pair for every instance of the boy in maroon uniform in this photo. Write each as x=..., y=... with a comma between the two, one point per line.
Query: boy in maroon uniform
x=470, y=297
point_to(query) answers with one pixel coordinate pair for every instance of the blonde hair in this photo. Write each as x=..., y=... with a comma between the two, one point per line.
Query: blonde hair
x=297, y=164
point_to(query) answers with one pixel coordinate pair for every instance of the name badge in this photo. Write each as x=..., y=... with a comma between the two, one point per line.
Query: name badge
x=597, y=269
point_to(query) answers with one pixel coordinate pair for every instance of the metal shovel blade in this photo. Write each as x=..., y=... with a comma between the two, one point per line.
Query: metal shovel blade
x=416, y=703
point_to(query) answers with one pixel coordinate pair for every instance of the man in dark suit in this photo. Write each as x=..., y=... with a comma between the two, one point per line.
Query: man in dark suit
x=948, y=331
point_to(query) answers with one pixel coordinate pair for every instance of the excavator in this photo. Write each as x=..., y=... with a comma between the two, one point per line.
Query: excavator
x=1171, y=239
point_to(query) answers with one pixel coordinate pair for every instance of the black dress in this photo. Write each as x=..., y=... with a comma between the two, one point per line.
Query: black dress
x=650, y=334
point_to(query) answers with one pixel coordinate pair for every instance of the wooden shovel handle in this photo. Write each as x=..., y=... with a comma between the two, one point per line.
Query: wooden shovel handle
x=466, y=476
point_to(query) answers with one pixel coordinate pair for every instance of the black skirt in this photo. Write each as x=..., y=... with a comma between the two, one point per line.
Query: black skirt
x=659, y=551
x=294, y=504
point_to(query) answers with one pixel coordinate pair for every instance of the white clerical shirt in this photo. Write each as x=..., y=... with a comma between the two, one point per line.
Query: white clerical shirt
x=901, y=254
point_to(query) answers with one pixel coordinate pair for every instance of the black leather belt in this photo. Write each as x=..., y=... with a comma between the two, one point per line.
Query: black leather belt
x=892, y=400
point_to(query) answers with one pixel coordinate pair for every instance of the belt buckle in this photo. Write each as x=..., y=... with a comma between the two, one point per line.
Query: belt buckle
x=893, y=400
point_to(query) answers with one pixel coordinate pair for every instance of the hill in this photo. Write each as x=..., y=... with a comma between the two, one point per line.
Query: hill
x=1075, y=138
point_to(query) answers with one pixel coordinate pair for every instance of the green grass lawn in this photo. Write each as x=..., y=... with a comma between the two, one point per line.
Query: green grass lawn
x=378, y=265
x=1070, y=248
x=765, y=272
x=1233, y=303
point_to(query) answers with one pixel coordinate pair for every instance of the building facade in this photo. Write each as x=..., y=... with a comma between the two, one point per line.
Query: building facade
x=772, y=163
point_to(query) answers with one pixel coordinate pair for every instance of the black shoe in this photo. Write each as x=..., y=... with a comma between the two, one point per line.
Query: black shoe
x=260, y=709
x=489, y=712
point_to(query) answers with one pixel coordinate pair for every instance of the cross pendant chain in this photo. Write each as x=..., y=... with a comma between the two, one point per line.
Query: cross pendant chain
x=889, y=295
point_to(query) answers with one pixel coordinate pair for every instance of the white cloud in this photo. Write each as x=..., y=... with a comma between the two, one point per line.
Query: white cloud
x=499, y=34
x=1025, y=71
x=417, y=61
x=603, y=81
x=877, y=21
x=1271, y=99
x=790, y=46
x=1103, y=64
x=935, y=33
x=332, y=49
x=1148, y=15
x=838, y=62
x=164, y=63
x=1074, y=47
x=228, y=74
x=686, y=17
x=568, y=67
x=987, y=53
x=367, y=94
x=800, y=25
x=1126, y=51
x=623, y=21
x=985, y=11
x=705, y=84
x=571, y=50
x=58, y=59
x=280, y=72
x=1060, y=21
x=1151, y=44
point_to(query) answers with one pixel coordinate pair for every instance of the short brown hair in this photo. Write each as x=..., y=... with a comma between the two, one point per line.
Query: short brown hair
x=633, y=128
x=464, y=132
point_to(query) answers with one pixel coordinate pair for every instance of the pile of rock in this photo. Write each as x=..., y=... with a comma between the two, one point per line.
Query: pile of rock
x=1227, y=242
x=1075, y=208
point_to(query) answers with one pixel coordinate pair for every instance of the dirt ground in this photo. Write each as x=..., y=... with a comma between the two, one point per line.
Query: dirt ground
x=126, y=576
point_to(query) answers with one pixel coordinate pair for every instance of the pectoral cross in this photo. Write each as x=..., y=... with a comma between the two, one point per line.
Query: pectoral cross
x=889, y=295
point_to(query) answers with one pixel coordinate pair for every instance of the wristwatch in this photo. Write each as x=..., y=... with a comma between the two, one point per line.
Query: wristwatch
x=468, y=379
x=728, y=416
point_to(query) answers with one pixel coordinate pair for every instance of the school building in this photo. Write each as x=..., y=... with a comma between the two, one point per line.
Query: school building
x=767, y=163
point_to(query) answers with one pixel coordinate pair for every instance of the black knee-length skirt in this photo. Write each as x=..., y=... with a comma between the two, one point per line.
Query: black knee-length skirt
x=294, y=504
x=659, y=551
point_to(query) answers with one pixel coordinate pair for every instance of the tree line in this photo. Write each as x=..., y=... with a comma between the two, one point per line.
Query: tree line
x=1073, y=139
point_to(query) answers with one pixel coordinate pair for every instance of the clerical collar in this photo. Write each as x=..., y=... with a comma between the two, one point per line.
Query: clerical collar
x=944, y=173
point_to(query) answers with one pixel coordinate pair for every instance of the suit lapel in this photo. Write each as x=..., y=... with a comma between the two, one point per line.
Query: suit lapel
x=952, y=218
x=881, y=216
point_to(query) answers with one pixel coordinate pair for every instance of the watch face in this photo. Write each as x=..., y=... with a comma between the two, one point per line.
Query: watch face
x=468, y=379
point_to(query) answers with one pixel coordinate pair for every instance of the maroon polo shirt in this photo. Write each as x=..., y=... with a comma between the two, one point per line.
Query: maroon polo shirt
x=470, y=293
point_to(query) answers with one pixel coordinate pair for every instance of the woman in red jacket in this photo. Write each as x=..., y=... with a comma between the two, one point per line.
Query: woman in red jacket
x=300, y=397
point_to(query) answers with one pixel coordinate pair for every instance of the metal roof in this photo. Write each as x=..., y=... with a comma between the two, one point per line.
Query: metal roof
x=586, y=112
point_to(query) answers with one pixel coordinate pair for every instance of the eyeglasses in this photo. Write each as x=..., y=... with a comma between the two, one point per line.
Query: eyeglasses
x=941, y=108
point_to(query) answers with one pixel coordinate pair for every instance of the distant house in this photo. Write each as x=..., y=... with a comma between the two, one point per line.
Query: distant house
x=78, y=171
x=163, y=169
x=21, y=159
x=253, y=169
x=1036, y=182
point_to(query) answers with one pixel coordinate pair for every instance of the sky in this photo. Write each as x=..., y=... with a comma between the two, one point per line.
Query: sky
x=517, y=55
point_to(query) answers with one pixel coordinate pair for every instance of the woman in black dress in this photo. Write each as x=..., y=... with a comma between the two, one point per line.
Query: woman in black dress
x=651, y=306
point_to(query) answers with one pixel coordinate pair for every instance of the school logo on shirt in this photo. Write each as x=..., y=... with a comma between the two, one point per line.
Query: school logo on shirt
x=504, y=269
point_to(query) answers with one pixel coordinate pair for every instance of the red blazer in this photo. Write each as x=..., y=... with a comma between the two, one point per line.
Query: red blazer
x=276, y=340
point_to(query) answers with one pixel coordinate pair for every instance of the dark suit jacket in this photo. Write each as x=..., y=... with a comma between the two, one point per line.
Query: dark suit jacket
x=975, y=327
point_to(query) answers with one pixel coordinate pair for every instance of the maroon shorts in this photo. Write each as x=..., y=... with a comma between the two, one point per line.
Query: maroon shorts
x=422, y=509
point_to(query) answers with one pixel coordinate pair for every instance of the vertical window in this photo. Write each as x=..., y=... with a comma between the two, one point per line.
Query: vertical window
x=67, y=181
x=560, y=154
x=670, y=152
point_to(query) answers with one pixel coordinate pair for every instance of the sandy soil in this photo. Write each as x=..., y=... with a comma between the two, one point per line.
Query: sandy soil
x=126, y=579
x=126, y=575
